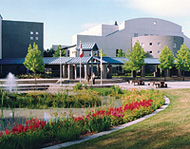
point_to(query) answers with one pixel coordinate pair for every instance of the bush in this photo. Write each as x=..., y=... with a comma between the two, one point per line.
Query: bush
x=40, y=100
x=77, y=87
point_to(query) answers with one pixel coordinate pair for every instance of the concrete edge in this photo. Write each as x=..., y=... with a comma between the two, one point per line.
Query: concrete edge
x=167, y=102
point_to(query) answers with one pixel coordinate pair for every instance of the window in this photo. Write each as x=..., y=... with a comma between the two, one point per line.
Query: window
x=150, y=51
x=36, y=33
x=31, y=38
x=37, y=38
x=31, y=32
x=146, y=34
x=150, y=43
x=158, y=51
x=136, y=35
x=158, y=43
x=155, y=23
x=174, y=45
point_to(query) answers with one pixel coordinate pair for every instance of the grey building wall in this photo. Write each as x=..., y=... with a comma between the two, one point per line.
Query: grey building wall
x=122, y=38
x=154, y=44
x=17, y=35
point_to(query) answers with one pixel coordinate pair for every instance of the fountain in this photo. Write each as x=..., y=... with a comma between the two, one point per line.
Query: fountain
x=10, y=83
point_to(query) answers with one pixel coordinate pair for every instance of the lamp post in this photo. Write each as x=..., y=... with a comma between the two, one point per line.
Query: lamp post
x=101, y=64
x=60, y=69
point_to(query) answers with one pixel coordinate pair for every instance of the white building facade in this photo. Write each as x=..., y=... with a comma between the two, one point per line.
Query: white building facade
x=109, y=38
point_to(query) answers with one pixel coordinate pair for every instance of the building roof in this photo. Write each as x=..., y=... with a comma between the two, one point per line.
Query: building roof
x=76, y=60
x=88, y=46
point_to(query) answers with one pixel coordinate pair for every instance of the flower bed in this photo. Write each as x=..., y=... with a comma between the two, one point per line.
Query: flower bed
x=36, y=133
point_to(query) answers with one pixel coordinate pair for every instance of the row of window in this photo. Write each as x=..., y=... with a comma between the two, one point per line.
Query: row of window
x=32, y=33
x=32, y=38
x=158, y=43
x=151, y=52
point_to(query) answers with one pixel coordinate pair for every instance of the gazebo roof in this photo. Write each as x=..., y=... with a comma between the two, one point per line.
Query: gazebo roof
x=76, y=60
x=88, y=46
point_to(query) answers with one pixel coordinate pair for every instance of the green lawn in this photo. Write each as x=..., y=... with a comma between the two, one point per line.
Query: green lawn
x=168, y=129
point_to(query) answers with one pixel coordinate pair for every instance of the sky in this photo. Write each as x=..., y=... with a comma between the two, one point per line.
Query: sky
x=64, y=18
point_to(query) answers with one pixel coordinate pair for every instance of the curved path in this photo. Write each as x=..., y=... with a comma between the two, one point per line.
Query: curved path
x=167, y=102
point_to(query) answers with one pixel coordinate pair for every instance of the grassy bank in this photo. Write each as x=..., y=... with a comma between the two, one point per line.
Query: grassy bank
x=168, y=129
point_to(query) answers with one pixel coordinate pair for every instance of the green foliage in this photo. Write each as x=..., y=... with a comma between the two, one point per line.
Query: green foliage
x=77, y=87
x=29, y=76
x=135, y=58
x=120, y=53
x=49, y=53
x=116, y=91
x=57, y=52
x=45, y=100
x=166, y=58
x=183, y=58
x=33, y=59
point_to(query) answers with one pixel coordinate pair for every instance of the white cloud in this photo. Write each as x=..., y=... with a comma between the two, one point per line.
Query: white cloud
x=169, y=8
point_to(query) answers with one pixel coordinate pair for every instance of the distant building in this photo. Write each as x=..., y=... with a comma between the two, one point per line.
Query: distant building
x=110, y=38
x=16, y=37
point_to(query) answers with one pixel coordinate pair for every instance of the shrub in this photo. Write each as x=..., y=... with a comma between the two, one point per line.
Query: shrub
x=77, y=87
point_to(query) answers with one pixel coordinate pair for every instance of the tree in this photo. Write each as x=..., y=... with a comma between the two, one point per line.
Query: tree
x=120, y=53
x=166, y=59
x=183, y=59
x=49, y=53
x=57, y=52
x=34, y=60
x=135, y=58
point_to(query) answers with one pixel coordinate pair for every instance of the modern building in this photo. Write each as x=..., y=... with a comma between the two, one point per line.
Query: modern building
x=1, y=36
x=110, y=38
x=17, y=35
x=155, y=43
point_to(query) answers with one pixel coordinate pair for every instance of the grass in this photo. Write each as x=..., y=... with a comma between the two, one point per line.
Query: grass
x=168, y=129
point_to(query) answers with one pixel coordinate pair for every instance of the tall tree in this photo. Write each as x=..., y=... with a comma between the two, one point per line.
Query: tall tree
x=57, y=52
x=135, y=58
x=120, y=53
x=49, y=52
x=166, y=59
x=34, y=60
x=183, y=59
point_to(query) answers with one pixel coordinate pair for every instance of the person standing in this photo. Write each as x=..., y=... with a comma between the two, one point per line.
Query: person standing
x=93, y=78
x=88, y=78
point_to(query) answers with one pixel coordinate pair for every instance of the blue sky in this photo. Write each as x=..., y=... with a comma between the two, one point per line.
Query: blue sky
x=64, y=18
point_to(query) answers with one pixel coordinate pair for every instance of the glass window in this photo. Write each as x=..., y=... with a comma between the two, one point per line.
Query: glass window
x=36, y=38
x=155, y=23
x=150, y=43
x=158, y=51
x=31, y=32
x=136, y=35
x=158, y=43
x=36, y=33
x=31, y=38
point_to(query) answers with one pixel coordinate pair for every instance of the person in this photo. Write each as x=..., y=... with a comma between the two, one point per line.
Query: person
x=93, y=78
x=88, y=78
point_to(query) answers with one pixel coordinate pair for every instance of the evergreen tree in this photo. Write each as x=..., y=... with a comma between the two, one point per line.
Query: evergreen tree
x=34, y=60
x=183, y=59
x=166, y=59
x=135, y=58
